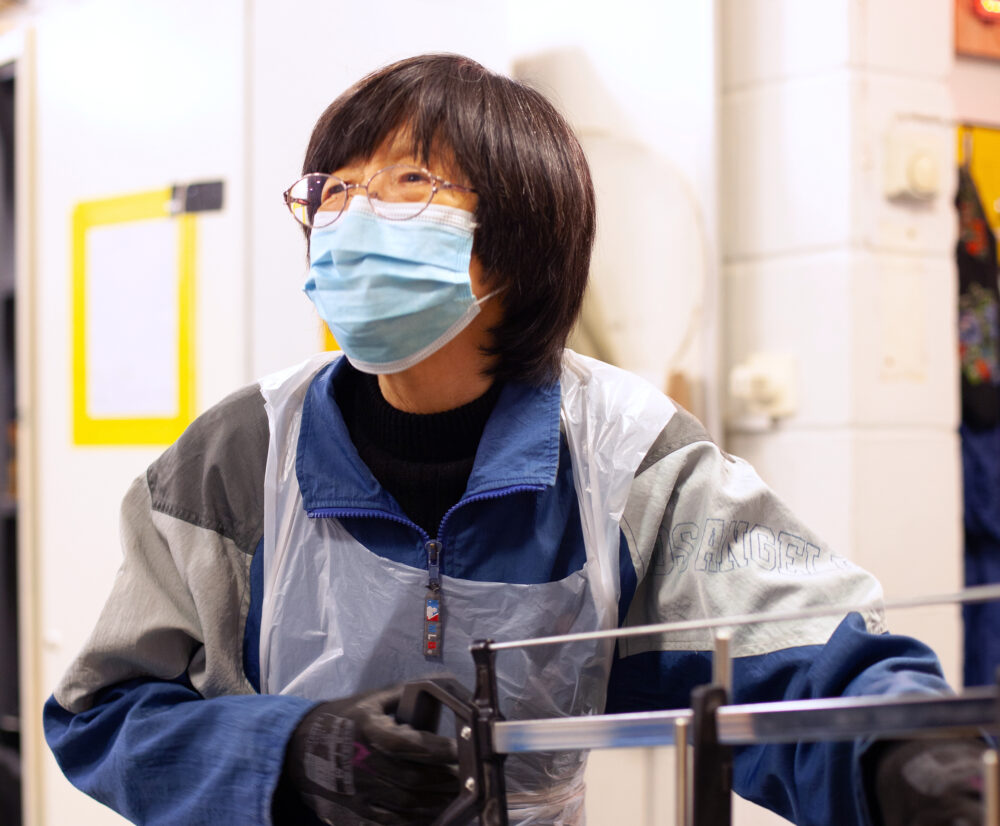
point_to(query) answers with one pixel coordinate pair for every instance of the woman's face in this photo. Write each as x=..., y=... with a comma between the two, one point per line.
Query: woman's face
x=398, y=148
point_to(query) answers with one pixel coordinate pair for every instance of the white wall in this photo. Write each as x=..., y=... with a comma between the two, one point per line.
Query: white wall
x=975, y=90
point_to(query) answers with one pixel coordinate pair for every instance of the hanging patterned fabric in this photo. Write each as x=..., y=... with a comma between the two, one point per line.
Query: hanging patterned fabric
x=978, y=304
x=979, y=342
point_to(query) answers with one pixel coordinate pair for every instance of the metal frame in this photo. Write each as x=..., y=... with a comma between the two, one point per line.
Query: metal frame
x=711, y=727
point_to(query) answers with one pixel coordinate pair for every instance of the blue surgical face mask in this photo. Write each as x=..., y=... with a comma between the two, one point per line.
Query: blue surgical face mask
x=393, y=292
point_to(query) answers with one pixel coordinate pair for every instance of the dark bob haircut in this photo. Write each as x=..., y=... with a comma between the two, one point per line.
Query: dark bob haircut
x=536, y=211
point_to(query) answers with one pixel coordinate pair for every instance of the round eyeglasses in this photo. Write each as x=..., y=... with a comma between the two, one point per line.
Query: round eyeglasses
x=398, y=192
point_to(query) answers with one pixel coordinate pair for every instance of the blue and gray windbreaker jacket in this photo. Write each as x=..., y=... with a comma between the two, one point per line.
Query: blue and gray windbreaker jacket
x=160, y=716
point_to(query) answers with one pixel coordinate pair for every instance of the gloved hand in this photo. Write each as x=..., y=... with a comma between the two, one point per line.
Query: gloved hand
x=930, y=783
x=351, y=763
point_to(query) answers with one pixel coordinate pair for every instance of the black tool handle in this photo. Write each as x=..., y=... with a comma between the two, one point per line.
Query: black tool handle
x=712, y=770
x=480, y=770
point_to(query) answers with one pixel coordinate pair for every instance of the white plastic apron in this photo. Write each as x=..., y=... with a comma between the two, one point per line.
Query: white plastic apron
x=338, y=619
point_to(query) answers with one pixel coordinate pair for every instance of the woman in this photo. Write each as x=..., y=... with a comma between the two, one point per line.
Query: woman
x=321, y=537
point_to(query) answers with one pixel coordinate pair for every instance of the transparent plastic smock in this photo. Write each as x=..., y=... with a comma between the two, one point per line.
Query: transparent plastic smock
x=339, y=619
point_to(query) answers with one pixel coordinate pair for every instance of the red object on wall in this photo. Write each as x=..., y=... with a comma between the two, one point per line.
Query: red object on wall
x=988, y=10
x=977, y=28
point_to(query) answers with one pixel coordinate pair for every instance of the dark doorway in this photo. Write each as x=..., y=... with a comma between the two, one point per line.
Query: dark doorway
x=10, y=759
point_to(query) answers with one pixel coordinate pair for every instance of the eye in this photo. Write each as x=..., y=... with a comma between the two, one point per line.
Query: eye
x=334, y=188
x=411, y=176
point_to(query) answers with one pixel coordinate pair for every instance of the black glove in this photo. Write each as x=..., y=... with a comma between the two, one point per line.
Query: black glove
x=930, y=783
x=351, y=763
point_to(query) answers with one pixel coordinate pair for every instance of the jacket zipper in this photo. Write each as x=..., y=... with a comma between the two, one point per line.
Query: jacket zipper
x=432, y=600
x=433, y=604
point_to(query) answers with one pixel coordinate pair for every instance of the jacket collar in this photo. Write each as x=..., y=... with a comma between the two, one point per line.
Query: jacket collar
x=519, y=446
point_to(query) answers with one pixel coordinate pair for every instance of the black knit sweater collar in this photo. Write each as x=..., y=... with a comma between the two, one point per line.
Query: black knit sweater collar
x=423, y=459
x=421, y=437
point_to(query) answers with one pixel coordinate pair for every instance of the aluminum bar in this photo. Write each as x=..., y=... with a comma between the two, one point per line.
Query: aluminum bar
x=980, y=593
x=722, y=661
x=603, y=731
x=682, y=781
x=843, y=718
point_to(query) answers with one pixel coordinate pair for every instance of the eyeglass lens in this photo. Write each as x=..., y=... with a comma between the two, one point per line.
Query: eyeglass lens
x=396, y=192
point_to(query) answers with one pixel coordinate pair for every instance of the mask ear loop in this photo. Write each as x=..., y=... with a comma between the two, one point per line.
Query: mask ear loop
x=479, y=301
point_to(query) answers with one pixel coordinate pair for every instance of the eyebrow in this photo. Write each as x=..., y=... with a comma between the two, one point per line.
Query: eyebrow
x=401, y=149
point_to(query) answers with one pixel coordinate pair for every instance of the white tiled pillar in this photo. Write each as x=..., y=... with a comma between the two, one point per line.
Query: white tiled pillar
x=819, y=102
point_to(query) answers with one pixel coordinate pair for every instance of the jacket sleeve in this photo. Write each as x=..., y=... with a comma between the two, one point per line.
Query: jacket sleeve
x=708, y=538
x=155, y=717
x=157, y=752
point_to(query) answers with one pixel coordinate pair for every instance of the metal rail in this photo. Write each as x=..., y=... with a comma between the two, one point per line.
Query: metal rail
x=709, y=729
x=972, y=712
x=979, y=593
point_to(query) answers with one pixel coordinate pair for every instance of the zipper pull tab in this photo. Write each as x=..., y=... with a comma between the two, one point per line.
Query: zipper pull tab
x=432, y=600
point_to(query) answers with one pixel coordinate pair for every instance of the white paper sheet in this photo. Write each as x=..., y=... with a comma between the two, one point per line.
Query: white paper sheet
x=132, y=320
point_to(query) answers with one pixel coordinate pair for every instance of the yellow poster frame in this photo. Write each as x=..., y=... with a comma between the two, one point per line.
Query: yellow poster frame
x=88, y=430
